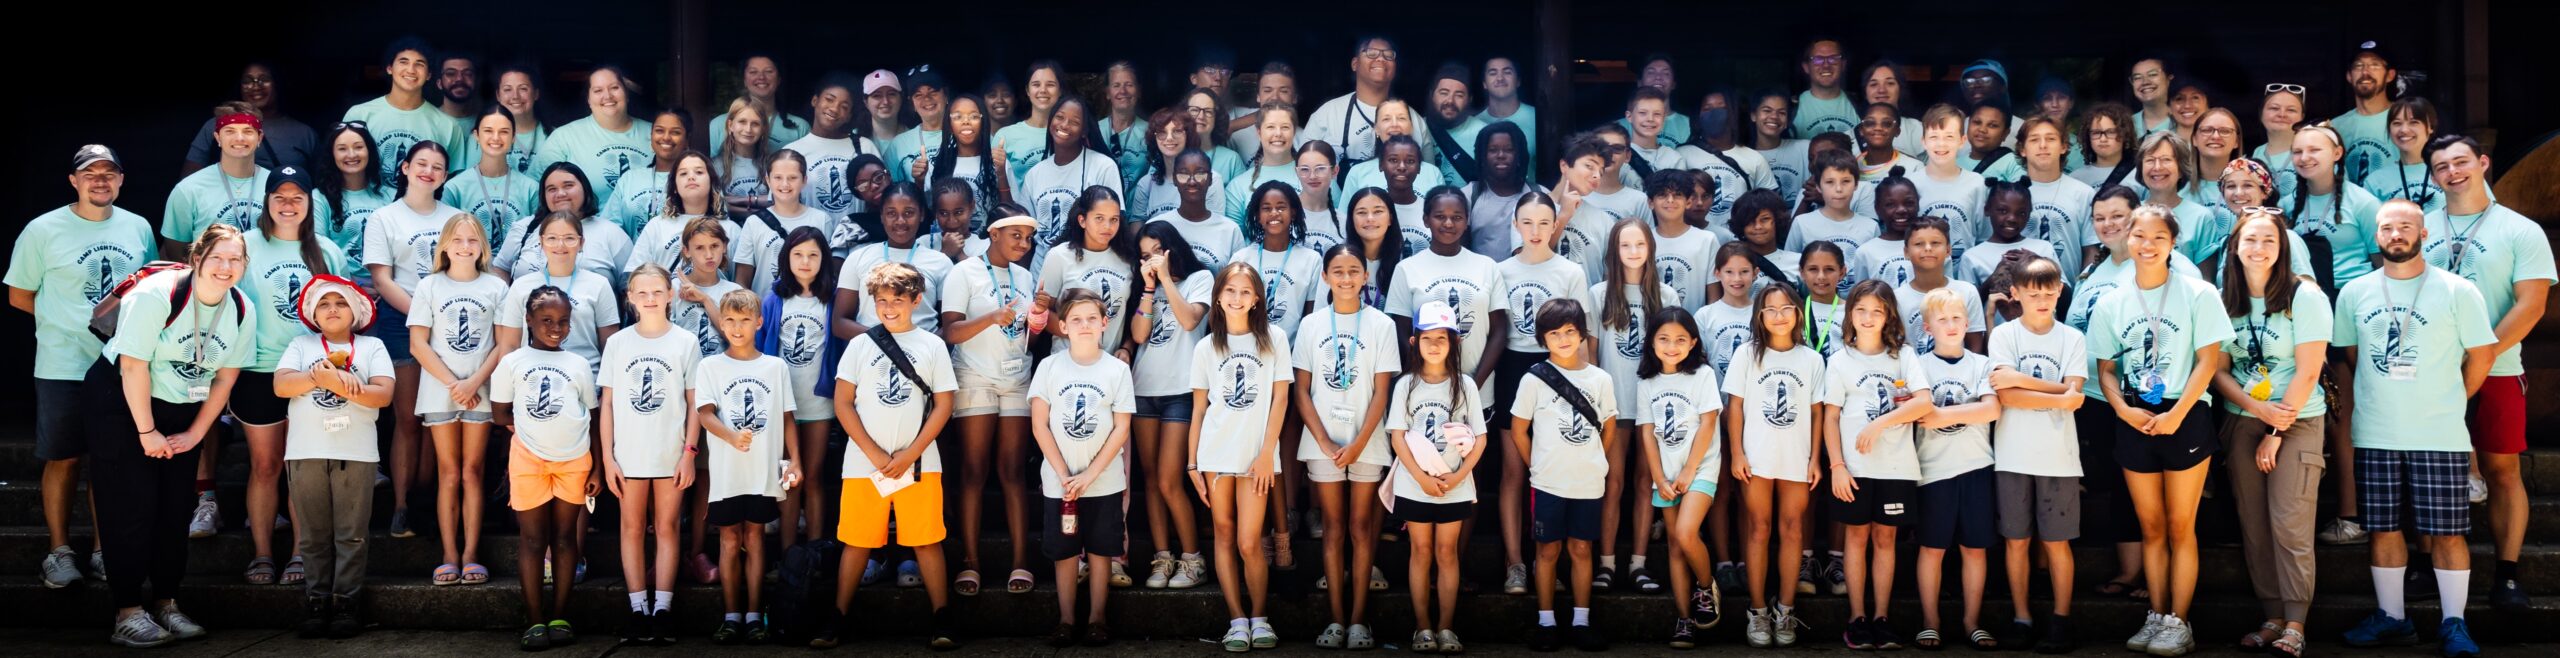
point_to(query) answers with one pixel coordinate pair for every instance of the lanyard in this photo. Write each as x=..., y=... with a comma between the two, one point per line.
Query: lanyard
x=2258, y=322
x=230, y=195
x=2463, y=237
x=195, y=313
x=1010, y=290
x=2426, y=194
x=2402, y=316
x=1813, y=332
x=508, y=188
x=2159, y=339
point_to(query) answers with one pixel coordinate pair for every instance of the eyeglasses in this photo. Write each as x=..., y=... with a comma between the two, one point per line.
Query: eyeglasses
x=2294, y=89
x=2216, y=130
x=1825, y=60
x=1190, y=178
x=257, y=81
x=2107, y=134
x=1376, y=54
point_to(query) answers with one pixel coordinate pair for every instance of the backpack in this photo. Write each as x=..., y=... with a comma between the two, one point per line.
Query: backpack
x=104, y=317
x=804, y=602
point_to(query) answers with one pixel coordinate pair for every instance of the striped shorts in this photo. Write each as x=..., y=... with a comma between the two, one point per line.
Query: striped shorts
x=2433, y=486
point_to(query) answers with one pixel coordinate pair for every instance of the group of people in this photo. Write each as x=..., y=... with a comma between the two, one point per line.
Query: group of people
x=1972, y=324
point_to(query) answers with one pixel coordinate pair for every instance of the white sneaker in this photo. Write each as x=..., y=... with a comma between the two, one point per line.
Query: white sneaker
x=1159, y=570
x=1515, y=581
x=1331, y=638
x=61, y=568
x=2176, y=638
x=1360, y=638
x=98, y=564
x=1263, y=637
x=1757, y=632
x=2141, y=640
x=2342, y=532
x=1783, y=625
x=2479, y=490
x=138, y=631
x=207, y=519
x=1188, y=572
x=177, y=623
x=1119, y=574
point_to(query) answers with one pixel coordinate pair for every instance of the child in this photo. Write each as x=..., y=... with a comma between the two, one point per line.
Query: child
x=492, y=190
x=648, y=446
x=1926, y=252
x=1628, y=294
x=1837, y=222
x=329, y=455
x=698, y=292
x=1897, y=204
x=1434, y=423
x=1757, y=225
x=1293, y=278
x=545, y=395
x=594, y=315
x=901, y=216
x=1986, y=129
x=1947, y=190
x=1683, y=463
x=452, y=338
x=1349, y=359
x=2037, y=367
x=1682, y=248
x=1528, y=279
x=692, y=192
x=1236, y=375
x=1879, y=128
x=760, y=247
x=738, y=398
x=1211, y=236
x=1562, y=418
x=1728, y=320
x=1956, y=485
x=1868, y=408
x=1084, y=398
x=1595, y=197
x=1169, y=312
x=2006, y=205
x=956, y=220
x=1771, y=389
x=892, y=396
x=986, y=316
x=795, y=328
x=1822, y=268
x=398, y=251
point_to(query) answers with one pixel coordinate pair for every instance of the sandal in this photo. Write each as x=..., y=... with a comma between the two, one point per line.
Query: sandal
x=446, y=574
x=2288, y=643
x=967, y=583
x=2126, y=590
x=262, y=571
x=1377, y=579
x=1645, y=584
x=473, y=573
x=1927, y=640
x=1982, y=640
x=293, y=572
x=1020, y=582
x=2257, y=641
x=536, y=638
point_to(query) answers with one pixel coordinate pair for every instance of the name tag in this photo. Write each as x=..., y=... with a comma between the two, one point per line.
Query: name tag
x=1015, y=364
x=335, y=424
x=1345, y=416
x=199, y=393
x=2401, y=368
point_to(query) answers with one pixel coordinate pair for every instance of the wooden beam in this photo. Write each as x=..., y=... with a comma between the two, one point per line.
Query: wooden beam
x=1555, y=74
x=689, y=55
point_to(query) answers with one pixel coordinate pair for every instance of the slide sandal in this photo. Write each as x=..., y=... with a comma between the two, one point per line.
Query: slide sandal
x=967, y=583
x=447, y=574
x=1018, y=583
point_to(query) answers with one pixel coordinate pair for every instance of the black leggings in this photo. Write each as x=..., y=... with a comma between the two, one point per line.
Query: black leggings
x=143, y=503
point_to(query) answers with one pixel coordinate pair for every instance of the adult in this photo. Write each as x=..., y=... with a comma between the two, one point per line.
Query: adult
x=1824, y=107
x=1453, y=124
x=1657, y=73
x=401, y=118
x=882, y=97
x=966, y=155
x=2273, y=437
x=1501, y=81
x=2505, y=255
x=2150, y=78
x=288, y=142
x=2106, y=142
x=2278, y=112
x=1349, y=122
x=912, y=152
x=564, y=190
x=458, y=91
x=1986, y=82
x=285, y=250
x=519, y=87
x=2367, y=126
x=491, y=189
x=1882, y=83
x=1021, y=145
x=2421, y=342
x=609, y=144
x=180, y=340
x=760, y=78
x=226, y=193
x=1277, y=84
x=831, y=145
x=349, y=193
x=2413, y=127
x=1715, y=149
x=61, y=264
x=1123, y=129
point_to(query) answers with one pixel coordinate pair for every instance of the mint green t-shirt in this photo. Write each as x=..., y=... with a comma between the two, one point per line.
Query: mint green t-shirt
x=2152, y=335
x=1025, y=145
x=528, y=142
x=496, y=201
x=2405, y=181
x=606, y=157
x=210, y=197
x=1127, y=146
x=1675, y=130
x=1240, y=190
x=1815, y=116
x=186, y=353
x=2007, y=168
x=2494, y=250
x=2429, y=321
x=631, y=206
x=903, y=151
x=2348, y=222
x=395, y=130
x=2261, y=346
x=2369, y=146
x=274, y=287
x=69, y=263
x=348, y=231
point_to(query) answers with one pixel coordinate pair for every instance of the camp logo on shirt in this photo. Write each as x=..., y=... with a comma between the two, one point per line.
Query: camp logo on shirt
x=1110, y=285
x=1790, y=178
x=2042, y=366
x=1950, y=393
x=1895, y=271
x=1725, y=341
x=462, y=314
x=324, y=399
x=394, y=146
x=102, y=265
x=2146, y=354
x=1207, y=256
x=1428, y=416
x=1339, y=350
x=1274, y=281
x=695, y=318
x=1084, y=410
x=1675, y=269
x=2046, y=222
x=827, y=184
x=284, y=283
x=1459, y=294
x=1006, y=296
x=2083, y=303
x=1779, y=389
x=2319, y=219
x=1630, y=340
x=1922, y=341
x=422, y=246
x=1570, y=426
x=746, y=188
x=551, y=392
x=1673, y=417
x=1956, y=215
x=1160, y=331
x=495, y=212
x=1321, y=242
x=1051, y=207
x=621, y=160
x=2455, y=253
x=520, y=157
x=196, y=349
x=1572, y=243
x=2368, y=155
x=1526, y=296
x=1729, y=186
x=650, y=202
x=1881, y=384
x=650, y=393
x=353, y=224
x=1832, y=124
x=802, y=335
x=743, y=402
x=2386, y=324
x=1237, y=374
x=240, y=213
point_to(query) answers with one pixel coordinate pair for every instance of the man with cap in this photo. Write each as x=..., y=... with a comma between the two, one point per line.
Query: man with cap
x=2367, y=126
x=226, y=193
x=910, y=153
x=60, y=266
x=881, y=96
x=401, y=118
x=337, y=381
x=1349, y=122
x=1453, y=124
x=288, y=142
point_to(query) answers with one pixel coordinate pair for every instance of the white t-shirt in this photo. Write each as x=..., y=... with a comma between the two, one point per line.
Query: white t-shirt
x=1726, y=329
x=702, y=319
x=1290, y=280
x=1861, y=386
x=892, y=406
x=802, y=329
x=859, y=264
x=1956, y=450
x=1343, y=356
x=1085, y=403
x=2061, y=218
x=1787, y=164
x=1959, y=201
x=2040, y=442
x=1489, y=215
x=1466, y=282
x=1825, y=319
x=1985, y=257
x=830, y=188
x=1584, y=238
x=1566, y=455
x=1069, y=267
x=746, y=395
x=1730, y=183
x=648, y=379
x=592, y=305
x=1622, y=347
x=1164, y=354
x=1050, y=190
x=661, y=241
x=1847, y=234
x=602, y=251
x=1674, y=406
x=1915, y=315
x=1243, y=384
x=975, y=288
x=1527, y=285
x=553, y=392
x=1688, y=263
x=1418, y=407
x=323, y=424
x=1778, y=391
x=1346, y=123
x=461, y=319
x=399, y=237
x=1880, y=259
x=1212, y=240
x=760, y=248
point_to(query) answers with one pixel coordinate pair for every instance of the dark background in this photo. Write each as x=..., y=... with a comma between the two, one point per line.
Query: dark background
x=144, y=85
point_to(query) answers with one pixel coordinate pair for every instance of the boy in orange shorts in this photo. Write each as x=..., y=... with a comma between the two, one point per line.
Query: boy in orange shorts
x=893, y=395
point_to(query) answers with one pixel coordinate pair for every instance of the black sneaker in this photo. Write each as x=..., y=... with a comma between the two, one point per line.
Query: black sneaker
x=635, y=628
x=1706, y=605
x=315, y=617
x=343, y=623
x=946, y=634
x=1587, y=638
x=1881, y=631
x=1543, y=638
x=1684, y=634
x=827, y=638
x=2508, y=596
x=2019, y=635
x=730, y=632
x=2057, y=636
x=758, y=633
x=1856, y=636
x=662, y=628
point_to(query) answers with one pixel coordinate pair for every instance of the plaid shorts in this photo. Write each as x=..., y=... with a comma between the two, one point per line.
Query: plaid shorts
x=2435, y=487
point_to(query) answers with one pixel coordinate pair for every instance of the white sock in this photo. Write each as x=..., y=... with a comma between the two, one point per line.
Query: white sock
x=1547, y=618
x=1164, y=555
x=1261, y=620
x=661, y=600
x=1784, y=610
x=1636, y=562
x=1609, y=562
x=2390, y=591
x=1239, y=622
x=1581, y=616
x=1835, y=555
x=1191, y=556
x=639, y=601
x=1808, y=553
x=731, y=617
x=2455, y=587
x=752, y=617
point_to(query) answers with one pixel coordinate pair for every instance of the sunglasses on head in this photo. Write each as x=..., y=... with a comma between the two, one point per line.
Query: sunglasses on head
x=2294, y=89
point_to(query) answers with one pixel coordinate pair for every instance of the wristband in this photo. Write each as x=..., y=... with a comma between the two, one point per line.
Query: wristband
x=147, y=432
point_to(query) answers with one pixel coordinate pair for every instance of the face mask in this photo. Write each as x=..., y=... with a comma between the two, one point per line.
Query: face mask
x=1715, y=123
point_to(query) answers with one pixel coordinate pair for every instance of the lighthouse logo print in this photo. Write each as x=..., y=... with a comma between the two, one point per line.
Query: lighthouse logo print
x=619, y=161
x=199, y=355
x=551, y=393
x=462, y=316
x=827, y=185
x=1084, y=411
x=101, y=266
x=802, y=335
x=1781, y=391
x=1525, y=299
x=1336, y=369
x=744, y=403
x=284, y=286
x=1570, y=425
x=888, y=385
x=1238, y=375
x=1673, y=418
x=650, y=377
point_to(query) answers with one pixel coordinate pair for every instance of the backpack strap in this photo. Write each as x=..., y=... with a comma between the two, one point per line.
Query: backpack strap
x=1456, y=153
x=1996, y=154
x=879, y=335
x=1564, y=388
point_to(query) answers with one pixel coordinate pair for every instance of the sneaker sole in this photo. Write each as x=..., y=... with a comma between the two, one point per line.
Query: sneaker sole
x=2394, y=641
x=119, y=641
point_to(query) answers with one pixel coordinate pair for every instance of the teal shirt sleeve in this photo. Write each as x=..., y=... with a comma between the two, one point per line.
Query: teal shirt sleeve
x=2343, y=331
x=179, y=220
x=2471, y=313
x=2206, y=305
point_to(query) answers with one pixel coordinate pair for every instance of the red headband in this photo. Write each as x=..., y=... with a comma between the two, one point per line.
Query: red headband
x=239, y=119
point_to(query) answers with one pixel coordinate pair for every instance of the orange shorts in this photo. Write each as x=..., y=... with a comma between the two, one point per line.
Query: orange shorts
x=865, y=515
x=533, y=481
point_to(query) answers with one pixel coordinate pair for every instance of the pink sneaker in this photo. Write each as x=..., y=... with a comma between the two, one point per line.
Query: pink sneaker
x=701, y=570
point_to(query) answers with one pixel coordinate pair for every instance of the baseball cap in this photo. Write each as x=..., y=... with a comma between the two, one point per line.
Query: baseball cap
x=93, y=154
x=2376, y=48
x=289, y=174
x=923, y=76
x=877, y=79
x=1991, y=65
x=1435, y=315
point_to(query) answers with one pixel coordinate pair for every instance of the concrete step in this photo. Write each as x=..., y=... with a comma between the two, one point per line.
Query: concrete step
x=1634, y=621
